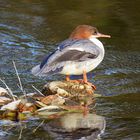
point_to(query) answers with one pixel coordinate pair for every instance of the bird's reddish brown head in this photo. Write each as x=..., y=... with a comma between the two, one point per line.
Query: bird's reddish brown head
x=85, y=32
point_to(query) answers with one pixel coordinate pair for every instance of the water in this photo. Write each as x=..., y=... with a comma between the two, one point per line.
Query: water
x=31, y=29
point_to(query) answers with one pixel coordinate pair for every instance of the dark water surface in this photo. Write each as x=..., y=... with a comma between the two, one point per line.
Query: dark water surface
x=29, y=29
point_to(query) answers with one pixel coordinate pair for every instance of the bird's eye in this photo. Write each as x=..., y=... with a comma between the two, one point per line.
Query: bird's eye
x=95, y=32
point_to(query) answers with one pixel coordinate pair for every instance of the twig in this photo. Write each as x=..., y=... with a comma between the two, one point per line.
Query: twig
x=38, y=126
x=38, y=90
x=10, y=91
x=20, y=84
x=23, y=91
x=18, y=75
x=21, y=130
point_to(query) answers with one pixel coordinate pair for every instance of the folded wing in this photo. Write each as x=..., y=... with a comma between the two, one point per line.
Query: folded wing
x=78, y=51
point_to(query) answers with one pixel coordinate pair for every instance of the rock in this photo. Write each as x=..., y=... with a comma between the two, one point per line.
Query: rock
x=65, y=89
x=49, y=111
x=58, y=101
x=47, y=108
x=4, y=100
x=27, y=107
x=33, y=96
x=53, y=100
x=74, y=108
x=27, y=104
x=59, y=97
x=3, y=92
x=13, y=115
x=11, y=106
x=73, y=93
x=40, y=104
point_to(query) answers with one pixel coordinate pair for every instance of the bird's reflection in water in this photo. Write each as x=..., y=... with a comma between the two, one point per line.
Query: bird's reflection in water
x=75, y=126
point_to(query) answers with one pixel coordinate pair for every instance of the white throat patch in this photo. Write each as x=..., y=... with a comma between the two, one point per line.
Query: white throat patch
x=96, y=41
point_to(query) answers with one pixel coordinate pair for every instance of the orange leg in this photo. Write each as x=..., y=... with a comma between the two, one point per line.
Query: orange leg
x=85, y=80
x=85, y=77
x=67, y=78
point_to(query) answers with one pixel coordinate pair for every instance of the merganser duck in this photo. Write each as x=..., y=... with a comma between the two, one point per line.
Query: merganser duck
x=79, y=54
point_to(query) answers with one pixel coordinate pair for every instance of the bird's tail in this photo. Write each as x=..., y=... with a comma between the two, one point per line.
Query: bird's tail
x=45, y=71
x=36, y=70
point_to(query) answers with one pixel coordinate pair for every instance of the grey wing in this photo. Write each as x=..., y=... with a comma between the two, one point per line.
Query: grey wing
x=74, y=55
x=77, y=52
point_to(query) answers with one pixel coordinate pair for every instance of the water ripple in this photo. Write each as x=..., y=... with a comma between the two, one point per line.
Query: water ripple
x=119, y=73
